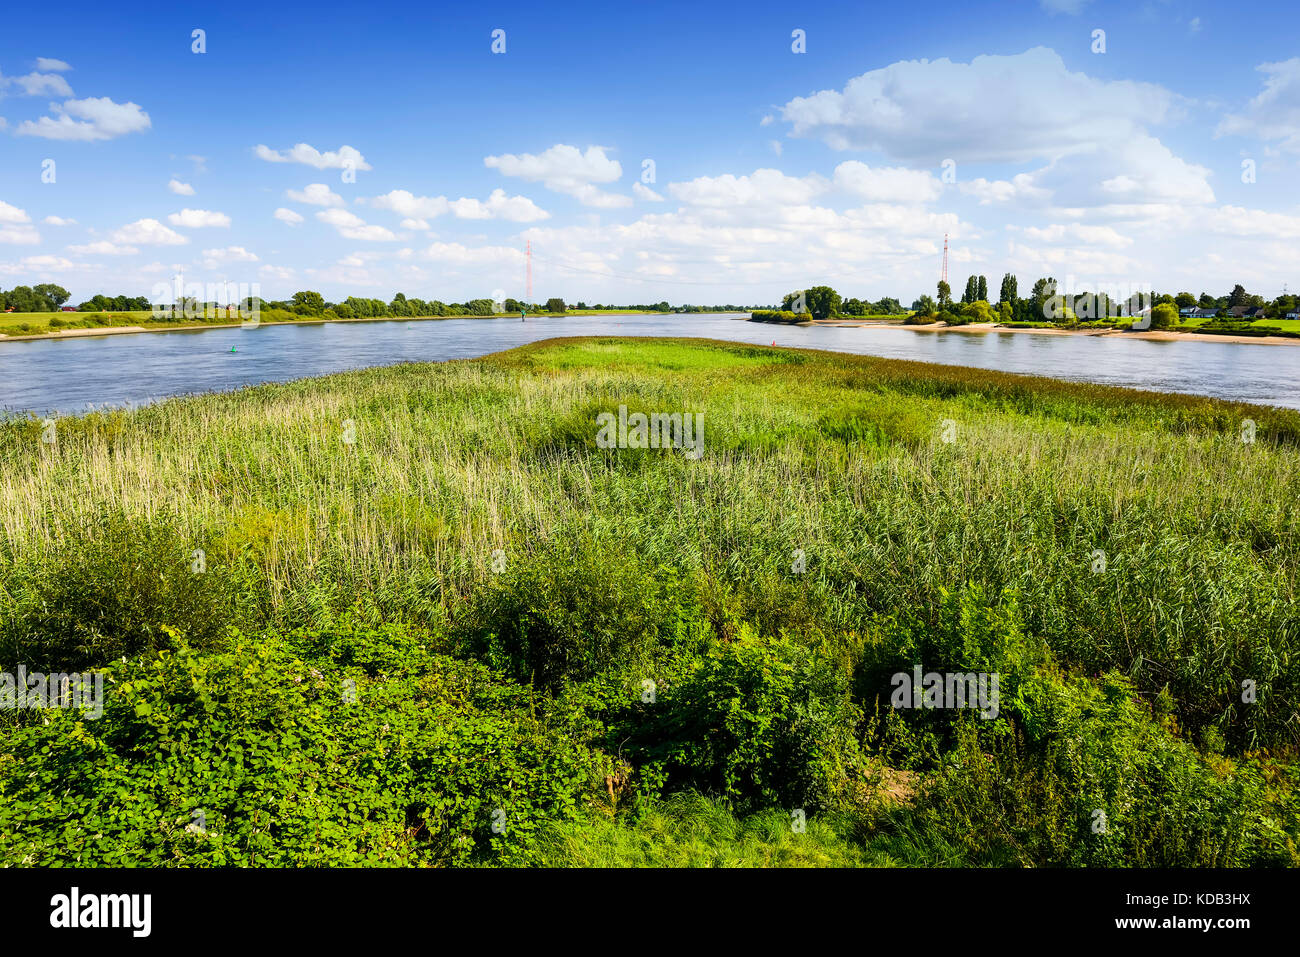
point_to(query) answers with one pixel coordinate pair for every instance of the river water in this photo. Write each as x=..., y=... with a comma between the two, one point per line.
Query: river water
x=70, y=375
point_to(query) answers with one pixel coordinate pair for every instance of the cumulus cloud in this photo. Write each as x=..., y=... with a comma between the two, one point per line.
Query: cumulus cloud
x=344, y=158
x=58, y=221
x=1017, y=108
x=352, y=226
x=317, y=194
x=763, y=187
x=103, y=248
x=230, y=254
x=41, y=84
x=198, y=218
x=517, y=209
x=179, y=188
x=15, y=226
x=887, y=184
x=148, y=232
x=566, y=169
x=641, y=191
x=1273, y=115
x=286, y=215
x=49, y=64
x=94, y=118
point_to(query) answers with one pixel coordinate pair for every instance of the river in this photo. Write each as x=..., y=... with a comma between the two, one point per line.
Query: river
x=63, y=376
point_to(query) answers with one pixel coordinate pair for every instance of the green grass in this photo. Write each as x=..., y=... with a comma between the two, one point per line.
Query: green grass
x=620, y=566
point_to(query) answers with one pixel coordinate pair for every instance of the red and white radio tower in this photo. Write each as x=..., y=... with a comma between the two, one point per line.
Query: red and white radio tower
x=529, y=271
x=944, y=276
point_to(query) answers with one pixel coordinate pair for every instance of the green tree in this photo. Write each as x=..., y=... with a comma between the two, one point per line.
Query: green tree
x=925, y=306
x=823, y=302
x=308, y=303
x=555, y=305
x=1164, y=316
x=945, y=295
x=56, y=295
x=982, y=293
x=1009, y=291
x=1184, y=300
x=1238, y=297
x=972, y=290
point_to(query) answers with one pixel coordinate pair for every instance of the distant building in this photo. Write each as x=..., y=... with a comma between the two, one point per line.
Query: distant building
x=1246, y=312
x=68, y=309
x=1199, y=313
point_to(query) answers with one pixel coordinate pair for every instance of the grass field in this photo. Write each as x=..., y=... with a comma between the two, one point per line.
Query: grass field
x=417, y=615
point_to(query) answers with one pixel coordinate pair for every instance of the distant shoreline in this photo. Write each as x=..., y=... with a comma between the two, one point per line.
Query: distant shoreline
x=1151, y=335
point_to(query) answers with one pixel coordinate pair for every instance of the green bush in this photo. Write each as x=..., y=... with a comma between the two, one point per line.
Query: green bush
x=113, y=588
x=566, y=611
x=762, y=722
x=289, y=762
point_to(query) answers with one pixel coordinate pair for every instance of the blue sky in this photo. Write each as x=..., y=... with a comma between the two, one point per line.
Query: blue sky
x=846, y=164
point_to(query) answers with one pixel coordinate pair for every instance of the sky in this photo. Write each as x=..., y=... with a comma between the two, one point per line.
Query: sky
x=703, y=153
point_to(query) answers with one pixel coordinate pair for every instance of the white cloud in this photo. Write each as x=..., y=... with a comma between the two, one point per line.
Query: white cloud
x=286, y=215
x=458, y=254
x=15, y=226
x=1275, y=113
x=282, y=273
x=58, y=221
x=317, y=194
x=42, y=84
x=179, y=188
x=95, y=118
x=516, y=209
x=994, y=109
x=352, y=226
x=763, y=187
x=1078, y=233
x=888, y=184
x=566, y=169
x=213, y=258
x=1019, y=187
x=420, y=225
x=198, y=218
x=19, y=235
x=345, y=158
x=406, y=203
x=641, y=191
x=12, y=214
x=52, y=65
x=148, y=232
x=103, y=248
x=1195, y=25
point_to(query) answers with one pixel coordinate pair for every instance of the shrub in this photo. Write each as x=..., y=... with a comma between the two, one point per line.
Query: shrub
x=761, y=722
x=566, y=612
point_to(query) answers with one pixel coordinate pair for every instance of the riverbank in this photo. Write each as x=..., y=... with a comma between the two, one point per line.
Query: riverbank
x=142, y=323
x=1150, y=335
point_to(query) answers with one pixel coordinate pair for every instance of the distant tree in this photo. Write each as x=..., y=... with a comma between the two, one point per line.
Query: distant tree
x=925, y=306
x=1164, y=316
x=1009, y=292
x=972, y=290
x=977, y=311
x=982, y=294
x=23, y=299
x=555, y=305
x=823, y=302
x=945, y=295
x=854, y=307
x=1206, y=301
x=1184, y=300
x=1238, y=297
x=308, y=303
x=56, y=295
